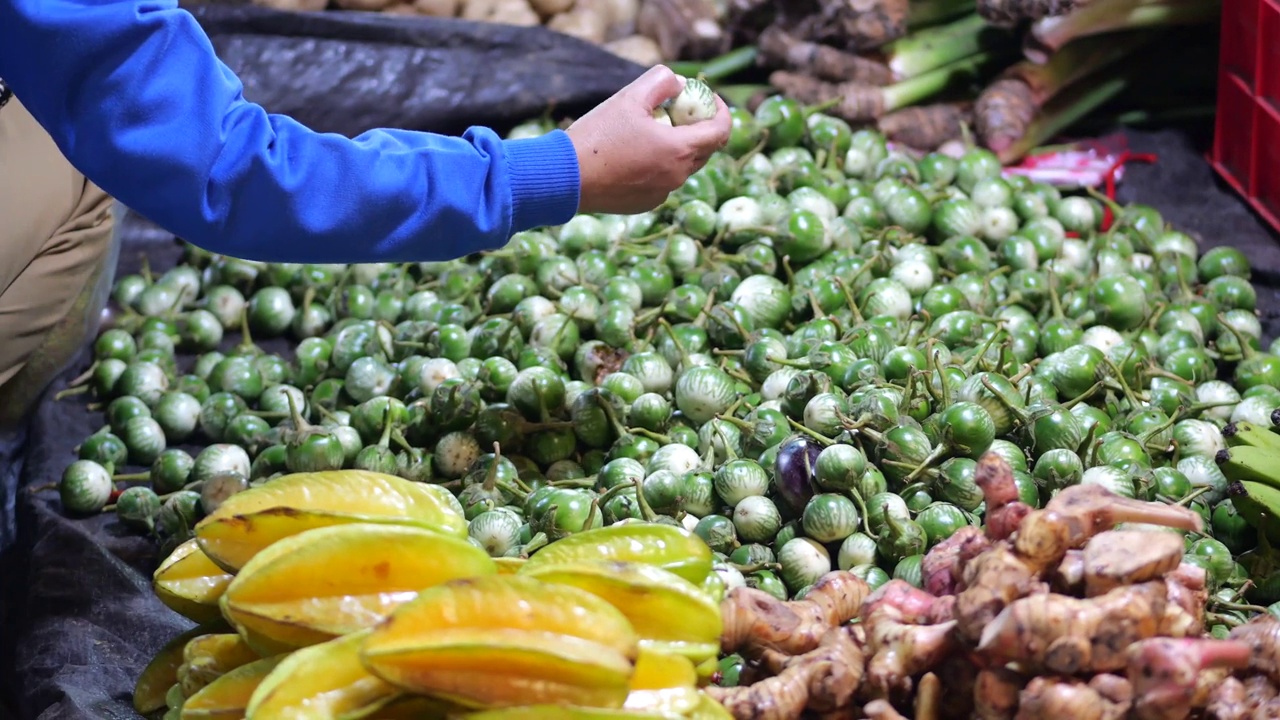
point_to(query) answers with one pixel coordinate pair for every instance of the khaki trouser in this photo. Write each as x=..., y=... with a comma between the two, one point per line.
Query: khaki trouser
x=57, y=261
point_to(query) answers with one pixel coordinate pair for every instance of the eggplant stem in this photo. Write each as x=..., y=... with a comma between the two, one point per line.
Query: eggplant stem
x=537, y=542
x=71, y=391
x=1191, y=496
x=826, y=441
x=84, y=376
x=862, y=511
x=646, y=511
x=934, y=456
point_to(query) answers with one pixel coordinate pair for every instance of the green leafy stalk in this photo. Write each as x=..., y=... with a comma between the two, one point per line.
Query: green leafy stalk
x=718, y=68
x=739, y=95
x=935, y=82
x=931, y=49
x=1048, y=35
x=924, y=13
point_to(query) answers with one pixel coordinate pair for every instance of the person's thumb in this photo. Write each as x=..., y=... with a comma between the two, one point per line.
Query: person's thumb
x=658, y=85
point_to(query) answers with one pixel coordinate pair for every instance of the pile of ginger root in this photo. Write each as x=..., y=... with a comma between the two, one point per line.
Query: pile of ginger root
x=1042, y=613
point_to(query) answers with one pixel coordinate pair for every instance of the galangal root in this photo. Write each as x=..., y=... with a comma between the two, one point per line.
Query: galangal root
x=1065, y=635
x=1042, y=614
x=1043, y=538
x=1236, y=699
x=755, y=621
x=1171, y=676
x=899, y=644
x=822, y=680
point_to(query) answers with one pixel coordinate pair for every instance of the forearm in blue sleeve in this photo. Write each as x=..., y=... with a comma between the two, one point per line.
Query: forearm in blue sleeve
x=137, y=100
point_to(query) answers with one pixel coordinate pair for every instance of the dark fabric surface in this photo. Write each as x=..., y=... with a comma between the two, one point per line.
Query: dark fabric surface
x=349, y=72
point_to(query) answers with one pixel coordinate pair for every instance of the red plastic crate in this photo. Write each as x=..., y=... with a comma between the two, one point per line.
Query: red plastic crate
x=1266, y=178
x=1246, y=147
x=1240, y=37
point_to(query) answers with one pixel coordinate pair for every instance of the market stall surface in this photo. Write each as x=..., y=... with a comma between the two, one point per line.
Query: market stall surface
x=78, y=619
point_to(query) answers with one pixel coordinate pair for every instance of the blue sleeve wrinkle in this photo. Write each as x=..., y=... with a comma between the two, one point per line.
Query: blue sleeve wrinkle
x=134, y=95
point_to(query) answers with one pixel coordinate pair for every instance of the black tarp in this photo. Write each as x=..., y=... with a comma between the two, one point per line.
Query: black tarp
x=78, y=620
x=349, y=72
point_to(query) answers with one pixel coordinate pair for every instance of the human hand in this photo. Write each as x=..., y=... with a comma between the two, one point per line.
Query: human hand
x=630, y=162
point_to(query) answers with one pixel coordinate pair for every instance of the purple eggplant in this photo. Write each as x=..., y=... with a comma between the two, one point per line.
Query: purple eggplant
x=794, y=471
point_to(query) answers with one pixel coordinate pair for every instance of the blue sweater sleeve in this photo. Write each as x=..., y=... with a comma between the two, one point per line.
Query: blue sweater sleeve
x=134, y=95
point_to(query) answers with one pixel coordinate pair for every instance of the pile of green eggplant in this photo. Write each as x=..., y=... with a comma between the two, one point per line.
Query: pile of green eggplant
x=798, y=357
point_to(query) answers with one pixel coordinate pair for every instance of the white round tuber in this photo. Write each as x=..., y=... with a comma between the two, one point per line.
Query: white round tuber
x=293, y=5
x=660, y=114
x=548, y=8
x=638, y=49
x=366, y=5
x=438, y=8
x=582, y=22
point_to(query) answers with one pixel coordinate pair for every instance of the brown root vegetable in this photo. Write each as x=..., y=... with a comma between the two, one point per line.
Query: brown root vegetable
x=823, y=679
x=992, y=581
x=1006, y=13
x=755, y=621
x=900, y=649
x=294, y=5
x=550, y=8
x=1227, y=701
x=402, y=8
x=781, y=50
x=942, y=568
x=854, y=25
x=912, y=604
x=438, y=8
x=1069, y=635
x=638, y=49
x=1126, y=557
x=925, y=127
x=1235, y=699
x=1079, y=512
x=621, y=16
x=1051, y=697
x=583, y=22
x=687, y=29
x=995, y=694
x=1269, y=710
x=851, y=102
x=1188, y=594
x=1003, y=113
x=1166, y=673
x=1262, y=635
x=994, y=478
x=958, y=676
x=928, y=697
x=1011, y=106
x=510, y=12
x=943, y=610
x=881, y=710
x=1068, y=577
x=1115, y=688
x=366, y=5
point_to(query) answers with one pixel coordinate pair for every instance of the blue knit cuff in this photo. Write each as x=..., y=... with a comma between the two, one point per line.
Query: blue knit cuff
x=545, y=182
